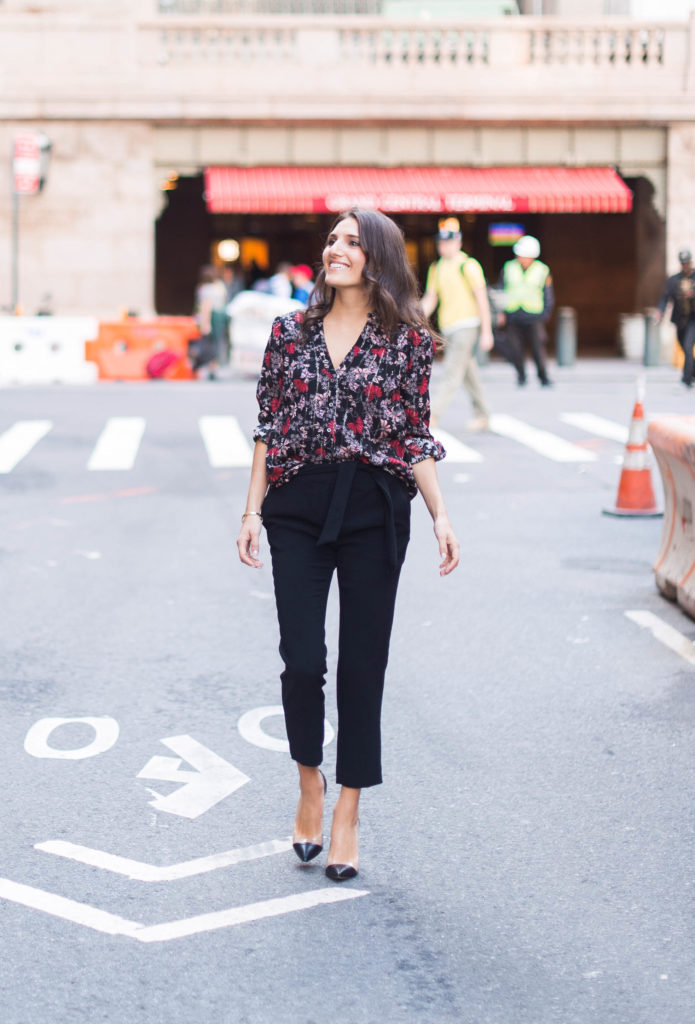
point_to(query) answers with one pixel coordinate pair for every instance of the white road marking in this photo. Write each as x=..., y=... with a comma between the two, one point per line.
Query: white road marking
x=69, y=910
x=665, y=634
x=212, y=780
x=111, y=924
x=456, y=451
x=118, y=443
x=541, y=441
x=141, y=871
x=596, y=425
x=105, y=736
x=242, y=915
x=18, y=441
x=225, y=443
x=250, y=729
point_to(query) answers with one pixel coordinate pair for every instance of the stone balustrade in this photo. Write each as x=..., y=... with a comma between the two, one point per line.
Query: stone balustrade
x=617, y=46
x=149, y=64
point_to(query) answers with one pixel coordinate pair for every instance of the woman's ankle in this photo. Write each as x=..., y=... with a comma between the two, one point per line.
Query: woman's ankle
x=310, y=778
x=347, y=807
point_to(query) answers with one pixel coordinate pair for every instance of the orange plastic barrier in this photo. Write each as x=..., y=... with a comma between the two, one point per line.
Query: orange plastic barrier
x=673, y=441
x=122, y=348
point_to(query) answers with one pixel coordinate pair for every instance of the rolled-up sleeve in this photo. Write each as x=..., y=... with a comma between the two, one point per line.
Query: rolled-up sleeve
x=269, y=390
x=415, y=389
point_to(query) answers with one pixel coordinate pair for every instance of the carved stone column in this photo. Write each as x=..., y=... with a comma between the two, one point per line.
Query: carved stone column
x=680, y=211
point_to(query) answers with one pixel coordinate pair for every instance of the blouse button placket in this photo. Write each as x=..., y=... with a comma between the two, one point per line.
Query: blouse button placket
x=336, y=382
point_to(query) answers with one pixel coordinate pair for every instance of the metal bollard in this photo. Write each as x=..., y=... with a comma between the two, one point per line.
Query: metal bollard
x=652, y=340
x=566, y=336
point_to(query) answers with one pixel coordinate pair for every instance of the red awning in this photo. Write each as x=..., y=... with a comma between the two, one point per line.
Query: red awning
x=416, y=189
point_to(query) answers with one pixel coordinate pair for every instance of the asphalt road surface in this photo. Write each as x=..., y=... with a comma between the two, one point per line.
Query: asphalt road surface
x=529, y=858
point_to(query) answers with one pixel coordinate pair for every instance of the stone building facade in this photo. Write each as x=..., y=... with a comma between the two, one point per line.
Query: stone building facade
x=139, y=96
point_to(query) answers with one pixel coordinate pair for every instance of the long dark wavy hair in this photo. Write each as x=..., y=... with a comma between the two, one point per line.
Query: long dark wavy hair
x=392, y=289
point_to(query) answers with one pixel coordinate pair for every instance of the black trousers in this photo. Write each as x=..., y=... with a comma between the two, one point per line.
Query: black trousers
x=525, y=328
x=353, y=520
x=686, y=339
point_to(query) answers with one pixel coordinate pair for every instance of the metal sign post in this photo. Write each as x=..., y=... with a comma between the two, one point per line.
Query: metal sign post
x=30, y=153
x=14, y=297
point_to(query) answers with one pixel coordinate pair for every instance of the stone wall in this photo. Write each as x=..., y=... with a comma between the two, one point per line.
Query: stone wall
x=87, y=239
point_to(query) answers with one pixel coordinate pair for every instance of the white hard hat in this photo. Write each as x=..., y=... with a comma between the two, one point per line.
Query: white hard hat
x=527, y=246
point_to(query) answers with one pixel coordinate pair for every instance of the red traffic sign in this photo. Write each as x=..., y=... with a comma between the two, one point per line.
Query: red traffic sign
x=26, y=163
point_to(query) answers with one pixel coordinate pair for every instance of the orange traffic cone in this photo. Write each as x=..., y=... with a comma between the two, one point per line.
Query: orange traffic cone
x=635, y=491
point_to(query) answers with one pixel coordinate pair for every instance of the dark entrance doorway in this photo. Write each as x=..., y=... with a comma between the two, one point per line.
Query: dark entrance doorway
x=602, y=264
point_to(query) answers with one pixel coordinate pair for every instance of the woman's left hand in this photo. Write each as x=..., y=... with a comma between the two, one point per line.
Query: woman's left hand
x=449, y=547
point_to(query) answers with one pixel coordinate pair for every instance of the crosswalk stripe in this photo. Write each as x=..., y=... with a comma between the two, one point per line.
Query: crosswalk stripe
x=596, y=425
x=224, y=441
x=18, y=441
x=227, y=446
x=541, y=441
x=456, y=451
x=118, y=443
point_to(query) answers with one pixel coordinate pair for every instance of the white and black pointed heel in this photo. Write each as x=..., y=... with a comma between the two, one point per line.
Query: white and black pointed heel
x=342, y=872
x=306, y=850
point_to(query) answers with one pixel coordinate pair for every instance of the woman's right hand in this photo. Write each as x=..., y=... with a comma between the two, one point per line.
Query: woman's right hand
x=248, y=541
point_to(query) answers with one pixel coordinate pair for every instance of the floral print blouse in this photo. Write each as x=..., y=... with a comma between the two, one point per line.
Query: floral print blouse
x=373, y=408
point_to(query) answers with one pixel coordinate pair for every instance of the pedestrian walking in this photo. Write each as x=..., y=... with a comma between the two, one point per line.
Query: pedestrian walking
x=210, y=312
x=302, y=283
x=456, y=288
x=233, y=280
x=342, y=446
x=679, y=293
x=281, y=283
x=528, y=302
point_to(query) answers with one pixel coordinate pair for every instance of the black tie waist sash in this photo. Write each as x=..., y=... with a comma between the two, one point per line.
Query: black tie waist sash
x=345, y=473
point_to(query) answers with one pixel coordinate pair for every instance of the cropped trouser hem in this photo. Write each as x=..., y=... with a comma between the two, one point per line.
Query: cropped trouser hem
x=363, y=541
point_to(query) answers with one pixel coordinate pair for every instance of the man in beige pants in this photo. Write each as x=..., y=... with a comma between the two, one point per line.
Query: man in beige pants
x=456, y=284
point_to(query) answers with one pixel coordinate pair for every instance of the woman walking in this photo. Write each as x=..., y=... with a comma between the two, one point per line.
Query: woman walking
x=342, y=446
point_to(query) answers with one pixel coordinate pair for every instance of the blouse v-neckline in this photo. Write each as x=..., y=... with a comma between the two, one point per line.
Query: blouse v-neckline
x=351, y=349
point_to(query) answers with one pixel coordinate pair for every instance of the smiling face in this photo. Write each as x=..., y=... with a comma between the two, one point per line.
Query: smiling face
x=343, y=256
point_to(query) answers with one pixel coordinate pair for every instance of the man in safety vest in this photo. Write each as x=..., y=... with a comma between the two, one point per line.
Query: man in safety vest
x=456, y=288
x=528, y=302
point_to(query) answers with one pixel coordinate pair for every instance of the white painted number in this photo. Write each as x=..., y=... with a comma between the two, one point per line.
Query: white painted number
x=105, y=736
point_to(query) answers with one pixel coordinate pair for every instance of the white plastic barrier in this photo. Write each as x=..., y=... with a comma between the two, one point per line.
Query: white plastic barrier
x=251, y=316
x=46, y=349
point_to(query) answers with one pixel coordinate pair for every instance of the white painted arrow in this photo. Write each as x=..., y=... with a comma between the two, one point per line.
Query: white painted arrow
x=212, y=781
x=141, y=871
x=112, y=924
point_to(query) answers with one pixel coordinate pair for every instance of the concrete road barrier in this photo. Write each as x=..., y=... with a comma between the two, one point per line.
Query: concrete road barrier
x=251, y=316
x=673, y=441
x=46, y=349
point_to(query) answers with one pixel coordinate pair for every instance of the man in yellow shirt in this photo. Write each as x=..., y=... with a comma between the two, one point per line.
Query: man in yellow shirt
x=456, y=286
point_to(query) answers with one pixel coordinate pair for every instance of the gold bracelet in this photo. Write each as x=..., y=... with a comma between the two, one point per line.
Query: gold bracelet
x=252, y=514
